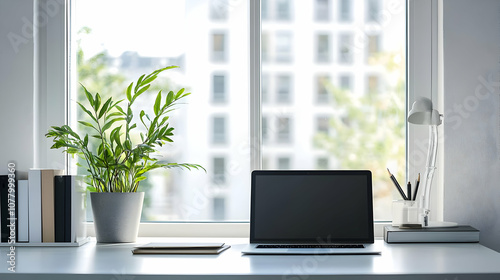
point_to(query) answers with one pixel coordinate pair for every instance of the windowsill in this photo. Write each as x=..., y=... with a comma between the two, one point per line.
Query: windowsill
x=206, y=229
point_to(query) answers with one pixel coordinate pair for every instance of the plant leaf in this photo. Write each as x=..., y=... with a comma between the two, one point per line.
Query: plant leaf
x=156, y=107
x=129, y=92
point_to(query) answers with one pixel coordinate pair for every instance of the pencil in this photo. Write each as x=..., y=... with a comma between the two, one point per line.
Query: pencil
x=397, y=185
x=416, y=187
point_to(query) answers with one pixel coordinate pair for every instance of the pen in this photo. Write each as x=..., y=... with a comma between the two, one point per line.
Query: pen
x=397, y=185
x=416, y=187
x=408, y=188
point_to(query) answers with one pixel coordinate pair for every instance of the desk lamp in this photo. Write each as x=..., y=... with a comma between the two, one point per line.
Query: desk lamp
x=423, y=113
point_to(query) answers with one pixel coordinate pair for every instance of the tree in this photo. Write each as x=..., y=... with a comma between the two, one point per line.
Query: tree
x=368, y=130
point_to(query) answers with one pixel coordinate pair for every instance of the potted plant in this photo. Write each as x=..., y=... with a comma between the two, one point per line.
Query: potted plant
x=117, y=163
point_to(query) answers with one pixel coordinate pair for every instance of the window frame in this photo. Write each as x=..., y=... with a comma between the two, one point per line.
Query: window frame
x=422, y=54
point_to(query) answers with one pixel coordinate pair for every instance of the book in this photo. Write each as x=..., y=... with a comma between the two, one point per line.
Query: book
x=23, y=210
x=60, y=211
x=35, y=208
x=8, y=209
x=69, y=206
x=181, y=248
x=47, y=195
x=462, y=233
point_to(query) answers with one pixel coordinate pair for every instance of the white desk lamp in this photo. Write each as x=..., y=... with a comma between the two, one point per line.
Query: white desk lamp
x=423, y=113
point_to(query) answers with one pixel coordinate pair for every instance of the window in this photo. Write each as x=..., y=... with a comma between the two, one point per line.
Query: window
x=372, y=10
x=323, y=48
x=283, y=9
x=219, y=88
x=219, y=130
x=284, y=88
x=283, y=46
x=322, y=10
x=322, y=82
x=307, y=106
x=345, y=49
x=219, y=47
x=345, y=10
x=218, y=9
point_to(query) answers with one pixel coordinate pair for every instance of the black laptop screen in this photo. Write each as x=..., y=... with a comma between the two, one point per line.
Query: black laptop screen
x=311, y=207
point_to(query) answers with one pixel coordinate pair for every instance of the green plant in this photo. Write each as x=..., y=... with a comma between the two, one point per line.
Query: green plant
x=115, y=163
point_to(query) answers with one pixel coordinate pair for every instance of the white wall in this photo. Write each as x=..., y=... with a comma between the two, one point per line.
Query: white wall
x=16, y=84
x=472, y=116
x=31, y=92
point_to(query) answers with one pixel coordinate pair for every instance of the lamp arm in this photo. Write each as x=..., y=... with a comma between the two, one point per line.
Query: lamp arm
x=429, y=173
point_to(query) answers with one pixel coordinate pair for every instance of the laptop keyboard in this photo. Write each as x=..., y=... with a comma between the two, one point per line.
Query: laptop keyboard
x=312, y=246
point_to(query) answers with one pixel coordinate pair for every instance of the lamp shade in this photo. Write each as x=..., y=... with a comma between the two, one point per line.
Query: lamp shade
x=422, y=112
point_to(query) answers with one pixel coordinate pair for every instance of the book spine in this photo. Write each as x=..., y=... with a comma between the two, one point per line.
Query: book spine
x=23, y=210
x=4, y=208
x=35, y=206
x=68, y=185
x=59, y=207
x=78, y=210
x=48, y=224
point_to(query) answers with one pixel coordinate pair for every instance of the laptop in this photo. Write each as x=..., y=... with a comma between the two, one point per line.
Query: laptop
x=311, y=212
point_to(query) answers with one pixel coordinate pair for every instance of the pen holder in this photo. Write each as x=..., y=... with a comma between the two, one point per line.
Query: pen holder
x=406, y=213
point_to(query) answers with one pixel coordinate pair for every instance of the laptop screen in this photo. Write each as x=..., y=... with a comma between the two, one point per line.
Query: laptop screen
x=311, y=207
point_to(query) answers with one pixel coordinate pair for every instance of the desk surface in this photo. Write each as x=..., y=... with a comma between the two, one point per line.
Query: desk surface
x=116, y=262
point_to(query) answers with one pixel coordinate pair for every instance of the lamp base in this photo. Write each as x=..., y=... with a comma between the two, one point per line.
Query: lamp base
x=440, y=224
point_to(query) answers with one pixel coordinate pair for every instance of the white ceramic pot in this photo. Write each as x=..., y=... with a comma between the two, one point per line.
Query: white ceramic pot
x=116, y=216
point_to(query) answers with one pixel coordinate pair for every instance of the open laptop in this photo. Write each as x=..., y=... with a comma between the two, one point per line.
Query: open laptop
x=311, y=212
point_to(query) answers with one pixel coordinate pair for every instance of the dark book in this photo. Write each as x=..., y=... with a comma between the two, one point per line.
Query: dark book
x=59, y=208
x=8, y=208
x=181, y=248
x=431, y=235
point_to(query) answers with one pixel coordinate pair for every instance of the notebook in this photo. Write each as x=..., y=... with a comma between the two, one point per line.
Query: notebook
x=311, y=212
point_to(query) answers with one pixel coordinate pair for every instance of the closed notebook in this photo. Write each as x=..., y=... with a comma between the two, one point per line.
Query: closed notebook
x=180, y=248
x=431, y=235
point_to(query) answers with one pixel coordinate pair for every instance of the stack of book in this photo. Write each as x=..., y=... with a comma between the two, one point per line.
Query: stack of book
x=462, y=233
x=49, y=208
x=181, y=248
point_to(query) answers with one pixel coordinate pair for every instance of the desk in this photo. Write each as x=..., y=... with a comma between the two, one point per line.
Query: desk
x=116, y=262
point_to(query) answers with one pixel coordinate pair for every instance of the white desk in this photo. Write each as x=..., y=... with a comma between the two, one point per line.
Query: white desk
x=116, y=262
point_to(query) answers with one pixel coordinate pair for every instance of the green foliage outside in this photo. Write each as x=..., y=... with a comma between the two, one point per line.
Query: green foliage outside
x=380, y=117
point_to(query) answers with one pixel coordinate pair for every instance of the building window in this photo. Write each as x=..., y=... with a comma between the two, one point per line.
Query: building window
x=264, y=84
x=322, y=163
x=219, y=130
x=284, y=88
x=345, y=82
x=373, y=47
x=373, y=85
x=218, y=9
x=345, y=49
x=219, y=171
x=322, y=10
x=345, y=10
x=265, y=129
x=322, y=84
x=219, y=47
x=372, y=10
x=323, y=48
x=284, y=163
x=283, y=47
x=284, y=130
x=264, y=9
x=323, y=125
x=219, y=88
x=219, y=208
x=283, y=9
x=264, y=43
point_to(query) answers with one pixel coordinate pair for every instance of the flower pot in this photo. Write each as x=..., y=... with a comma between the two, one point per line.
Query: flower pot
x=116, y=216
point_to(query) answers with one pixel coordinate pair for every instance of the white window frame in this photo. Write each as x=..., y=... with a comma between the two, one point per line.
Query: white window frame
x=422, y=55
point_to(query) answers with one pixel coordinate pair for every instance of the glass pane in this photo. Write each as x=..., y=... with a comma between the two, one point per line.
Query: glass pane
x=116, y=41
x=347, y=77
